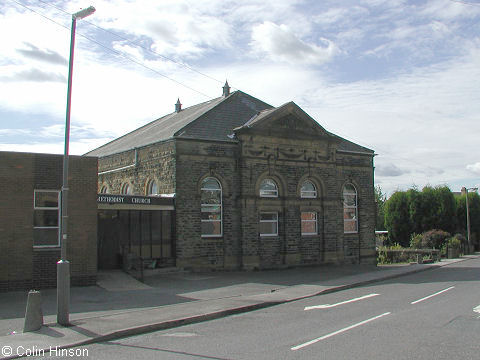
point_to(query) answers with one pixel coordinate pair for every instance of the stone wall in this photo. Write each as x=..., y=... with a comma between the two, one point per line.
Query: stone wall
x=180, y=165
x=21, y=265
x=240, y=168
x=137, y=167
x=195, y=161
x=289, y=162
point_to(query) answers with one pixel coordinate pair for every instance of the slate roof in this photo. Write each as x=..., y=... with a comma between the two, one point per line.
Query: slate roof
x=211, y=120
x=346, y=145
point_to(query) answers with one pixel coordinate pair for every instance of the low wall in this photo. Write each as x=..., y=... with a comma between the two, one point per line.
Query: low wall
x=393, y=256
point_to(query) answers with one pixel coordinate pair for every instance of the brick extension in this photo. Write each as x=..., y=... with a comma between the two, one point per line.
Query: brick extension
x=23, y=267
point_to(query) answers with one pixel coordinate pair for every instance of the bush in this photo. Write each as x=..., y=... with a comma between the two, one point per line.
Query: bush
x=454, y=243
x=434, y=239
x=416, y=241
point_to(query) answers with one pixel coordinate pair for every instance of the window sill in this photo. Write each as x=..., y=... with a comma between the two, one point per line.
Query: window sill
x=268, y=235
x=46, y=247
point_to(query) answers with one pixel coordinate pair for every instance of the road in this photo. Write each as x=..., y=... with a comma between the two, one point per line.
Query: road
x=429, y=315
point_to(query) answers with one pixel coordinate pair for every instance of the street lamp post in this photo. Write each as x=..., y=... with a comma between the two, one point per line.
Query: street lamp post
x=468, y=217
x=63, y=266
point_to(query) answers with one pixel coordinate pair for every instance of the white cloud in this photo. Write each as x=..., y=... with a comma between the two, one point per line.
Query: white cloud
x=181, y=29
x=474, y=167
x=449, y=10
x=280, y=43
x=389, y=170
x=412, y=116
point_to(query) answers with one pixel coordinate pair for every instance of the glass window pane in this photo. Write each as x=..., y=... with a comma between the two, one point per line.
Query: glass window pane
x=272, y=193
x=211, y=208
x=309, y=227
x=45, y=237
x=268, y=228
x=166, y=226
x=211, y=197
x=349, y=214
x=349, y=189
x=308, y=194
x=309, y=216
x=268, y=184
x=45, y=218
x=152, y=188
x=268, y=187
x=350, y=226
x=349, y=200
x=211, y=184
x=126, y=189
x=46, y=199
x=211, y=228
x=308, y=186
x=268, y=216
x=308, y=190
x=211, y=216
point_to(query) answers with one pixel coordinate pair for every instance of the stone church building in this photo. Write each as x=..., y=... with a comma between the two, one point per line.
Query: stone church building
x=252, y=187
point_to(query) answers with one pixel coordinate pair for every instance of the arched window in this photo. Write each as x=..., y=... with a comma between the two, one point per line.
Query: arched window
x=350, y=218
x=104, y=189
x=268, y=188
x=211, y=208
x=126, y=189
x=152, y=188
x=308, y=190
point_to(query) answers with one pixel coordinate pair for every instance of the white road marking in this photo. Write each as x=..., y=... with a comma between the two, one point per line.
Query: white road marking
x=180, y=334
x=477, y=309
x=326, y=306
x=429, y=296
x=338, y=332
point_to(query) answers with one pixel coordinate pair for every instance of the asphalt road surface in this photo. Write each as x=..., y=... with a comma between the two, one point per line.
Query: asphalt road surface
x=429, y=315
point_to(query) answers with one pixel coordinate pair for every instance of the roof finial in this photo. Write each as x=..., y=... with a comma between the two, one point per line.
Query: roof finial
x=226, y=89
x=178, y=106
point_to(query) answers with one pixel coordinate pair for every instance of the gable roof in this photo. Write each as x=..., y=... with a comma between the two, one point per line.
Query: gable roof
x=215, y=120
x=210, y=120
x=291, y=108
x=266, y=117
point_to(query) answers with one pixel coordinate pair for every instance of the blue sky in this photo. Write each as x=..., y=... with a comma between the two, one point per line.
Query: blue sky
x=400, y=77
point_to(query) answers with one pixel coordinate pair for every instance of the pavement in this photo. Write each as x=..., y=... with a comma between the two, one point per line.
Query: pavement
x=121, y=306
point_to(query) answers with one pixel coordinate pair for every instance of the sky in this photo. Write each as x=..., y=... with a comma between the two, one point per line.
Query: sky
x=399, y=77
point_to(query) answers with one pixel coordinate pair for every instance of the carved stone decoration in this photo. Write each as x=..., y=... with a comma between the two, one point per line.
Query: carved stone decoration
x=271, y=164
x=290, y=154
x=211, y=168
x=310, y=166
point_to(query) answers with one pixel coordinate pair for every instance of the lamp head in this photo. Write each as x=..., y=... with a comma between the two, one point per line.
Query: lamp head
x=83, y=13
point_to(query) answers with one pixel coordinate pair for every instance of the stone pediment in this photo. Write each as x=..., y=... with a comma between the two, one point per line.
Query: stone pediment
x=288, y=120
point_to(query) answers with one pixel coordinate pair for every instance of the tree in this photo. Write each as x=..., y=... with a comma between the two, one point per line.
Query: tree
x=380, y=199
x=397, y=218
x=415, y=210
x=445, y=209
x=474, y=211
x=429, y=209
